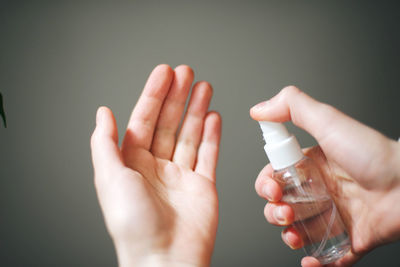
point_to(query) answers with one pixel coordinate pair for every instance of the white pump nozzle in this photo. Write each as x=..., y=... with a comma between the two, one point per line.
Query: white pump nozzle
x=273, y=132
x=282, y=148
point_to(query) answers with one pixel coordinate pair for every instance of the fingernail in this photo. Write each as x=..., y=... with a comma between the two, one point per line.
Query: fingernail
x=284, y=237
x=293, y=247
x=267, y=192
x=260, y=106
x=278, y=214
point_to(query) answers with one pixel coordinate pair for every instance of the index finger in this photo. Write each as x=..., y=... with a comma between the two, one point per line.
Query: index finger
x=304, y=111
x=340, y=136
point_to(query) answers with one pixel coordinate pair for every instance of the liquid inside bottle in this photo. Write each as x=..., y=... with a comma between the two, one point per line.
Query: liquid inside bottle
x=316, y=218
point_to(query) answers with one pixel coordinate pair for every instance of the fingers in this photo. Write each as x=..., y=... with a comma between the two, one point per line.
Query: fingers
x=340, y=137
x=270, y=189
x=292, y=104
x=209, y=147
x=171, y=113
x=191, y=131
x=292, y=238
x=347, y=260
x=280, y=214
x=310, y=262
x=266, y=187
x=275, y=212
x=106, y=154
x=144, y=117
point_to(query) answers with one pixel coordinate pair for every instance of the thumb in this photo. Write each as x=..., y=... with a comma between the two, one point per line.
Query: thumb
x=106, y=154
x=290, y=103
x=355, y=147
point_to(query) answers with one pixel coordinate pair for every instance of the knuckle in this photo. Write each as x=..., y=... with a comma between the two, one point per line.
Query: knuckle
x=328, y=113
x=267, y=210
x=290, y=90
x=187, y=142
x=258, y=185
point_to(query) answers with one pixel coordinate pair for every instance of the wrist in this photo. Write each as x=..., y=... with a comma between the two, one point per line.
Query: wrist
x=150, y=260
x=392, y=227
x=138, y=256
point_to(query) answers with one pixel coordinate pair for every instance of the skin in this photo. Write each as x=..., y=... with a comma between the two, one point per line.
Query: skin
x=361, y=171
x=157, y=191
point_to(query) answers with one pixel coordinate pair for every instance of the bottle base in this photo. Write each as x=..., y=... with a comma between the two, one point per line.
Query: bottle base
x=334, y=253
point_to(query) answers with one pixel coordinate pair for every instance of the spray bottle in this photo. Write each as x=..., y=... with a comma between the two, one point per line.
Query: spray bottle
x=316, y=217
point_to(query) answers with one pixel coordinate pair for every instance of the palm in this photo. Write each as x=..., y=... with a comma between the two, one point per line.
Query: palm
x=165, y=197
x=157, y=191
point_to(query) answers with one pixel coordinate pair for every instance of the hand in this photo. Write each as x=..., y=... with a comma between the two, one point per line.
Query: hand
x=157, y=192
x=361, y=167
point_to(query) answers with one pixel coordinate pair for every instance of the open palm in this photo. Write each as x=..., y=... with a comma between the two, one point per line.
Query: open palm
x=157, y=191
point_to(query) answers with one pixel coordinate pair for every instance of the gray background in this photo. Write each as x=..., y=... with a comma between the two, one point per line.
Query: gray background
x=60, y=61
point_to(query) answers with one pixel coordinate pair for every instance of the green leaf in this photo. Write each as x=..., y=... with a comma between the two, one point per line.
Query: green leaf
x=2, y=113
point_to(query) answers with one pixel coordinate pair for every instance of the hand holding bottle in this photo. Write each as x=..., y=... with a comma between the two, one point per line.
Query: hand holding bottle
x=360, y=167
x=316, y=219
x=157, y=192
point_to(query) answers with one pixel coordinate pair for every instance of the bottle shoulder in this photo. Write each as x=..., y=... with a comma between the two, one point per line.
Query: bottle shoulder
x=305, y=173
x=305, y=163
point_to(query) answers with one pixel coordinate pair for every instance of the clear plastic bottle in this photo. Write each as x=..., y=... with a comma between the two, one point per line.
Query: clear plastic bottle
x=316, y=218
